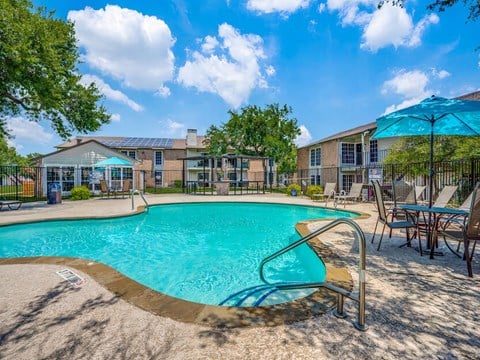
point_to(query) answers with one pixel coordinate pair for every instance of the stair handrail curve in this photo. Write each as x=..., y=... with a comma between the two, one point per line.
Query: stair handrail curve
x=357, y=297
x=136, y=191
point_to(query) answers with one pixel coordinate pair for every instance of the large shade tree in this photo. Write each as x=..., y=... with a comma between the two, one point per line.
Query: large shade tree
x=268, y=132
x=39, y=79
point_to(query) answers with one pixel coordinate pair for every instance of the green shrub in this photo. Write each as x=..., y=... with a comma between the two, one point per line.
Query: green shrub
x=80, y=193
x=314, y=189
x=297, y=188
x=177, y=183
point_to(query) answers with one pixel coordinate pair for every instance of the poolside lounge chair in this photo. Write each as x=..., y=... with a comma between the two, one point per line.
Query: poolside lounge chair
x=11, y=204
x=445, y=195
x=354, y=194
x=383, y=217
x=419, y=192
x=469, y=231
x=328, y=193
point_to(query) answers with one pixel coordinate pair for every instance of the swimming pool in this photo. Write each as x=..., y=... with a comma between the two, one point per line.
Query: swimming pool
x=201, y=252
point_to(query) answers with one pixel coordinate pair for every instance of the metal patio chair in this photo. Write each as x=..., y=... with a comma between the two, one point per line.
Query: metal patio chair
x=392, y=224
x=469, y=232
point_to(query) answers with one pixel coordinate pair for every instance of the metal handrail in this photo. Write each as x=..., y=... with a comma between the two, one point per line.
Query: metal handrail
x=358, y=297
x=136, y=191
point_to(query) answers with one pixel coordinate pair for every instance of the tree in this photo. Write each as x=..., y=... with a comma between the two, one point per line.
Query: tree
x=442, y=5
x=9, y=155
x=38, y=75
x=413, y=151
x=268, y=132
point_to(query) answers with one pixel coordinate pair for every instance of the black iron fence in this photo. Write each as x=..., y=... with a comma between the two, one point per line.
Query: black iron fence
x=33, y=183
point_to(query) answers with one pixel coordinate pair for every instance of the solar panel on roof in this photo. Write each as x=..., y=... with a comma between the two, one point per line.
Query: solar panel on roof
x=137, y=142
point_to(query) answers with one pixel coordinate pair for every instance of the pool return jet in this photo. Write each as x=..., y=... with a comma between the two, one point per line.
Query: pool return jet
x=341, y=293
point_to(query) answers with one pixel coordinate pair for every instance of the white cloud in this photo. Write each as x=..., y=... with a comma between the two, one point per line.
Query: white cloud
x=284, y=7
x=410, y=85
x=163, y=92
x=442, y=74
x=390, y=25
x=270, y=70
x=171, y=128
x=304, y=138
x=115, y=117
x=26, y=130
x=123, y=43
x=230, y=69
x=110, y=93
x=407, y=84
x=322, y=7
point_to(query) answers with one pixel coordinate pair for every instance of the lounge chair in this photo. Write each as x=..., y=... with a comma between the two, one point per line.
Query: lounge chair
x=383, y=217
x=445, y=195
x=354, y=194
x=419, y=192
x=469, y=231
x=11, y=204
x=328, y=193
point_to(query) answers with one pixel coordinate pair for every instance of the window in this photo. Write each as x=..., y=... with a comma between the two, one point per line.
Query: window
x=315, y=179
x=347, y=181
x=158, y=178
x=158, y=158
x=131, y=153
x=315, y=157
x=373, y=151
x=348, y=153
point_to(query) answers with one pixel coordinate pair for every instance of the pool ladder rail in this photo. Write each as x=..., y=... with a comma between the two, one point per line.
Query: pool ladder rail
x=136, y=191
x=341, y=293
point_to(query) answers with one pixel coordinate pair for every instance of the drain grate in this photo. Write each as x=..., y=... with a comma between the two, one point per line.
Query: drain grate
x=74, y=279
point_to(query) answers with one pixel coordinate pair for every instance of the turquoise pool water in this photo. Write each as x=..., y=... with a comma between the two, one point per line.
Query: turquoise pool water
x=201, y=252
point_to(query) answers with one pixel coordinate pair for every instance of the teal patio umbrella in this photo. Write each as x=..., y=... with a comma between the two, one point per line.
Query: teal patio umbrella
x=110, y=162
x=432, y=116
x=113, y=161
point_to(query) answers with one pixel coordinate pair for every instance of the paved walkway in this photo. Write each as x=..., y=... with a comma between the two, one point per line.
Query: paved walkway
x=416, y=307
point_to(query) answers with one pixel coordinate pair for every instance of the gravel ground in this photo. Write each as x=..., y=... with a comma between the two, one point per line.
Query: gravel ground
x=417, y=308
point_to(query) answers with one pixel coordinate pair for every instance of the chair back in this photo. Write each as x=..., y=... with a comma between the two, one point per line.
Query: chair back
x=473, y=225
x=103, y=186
x=419, y=190
x=467, y=203
x=126, y=185
x=356, y=190
x=329, y=188
x=445, y=196
x=382, y=213
x=403, y=193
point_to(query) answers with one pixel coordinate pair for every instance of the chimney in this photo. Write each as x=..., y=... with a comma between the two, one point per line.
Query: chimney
x=192, y=137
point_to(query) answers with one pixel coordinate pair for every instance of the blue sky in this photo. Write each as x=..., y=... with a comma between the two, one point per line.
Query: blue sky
x=171, y=65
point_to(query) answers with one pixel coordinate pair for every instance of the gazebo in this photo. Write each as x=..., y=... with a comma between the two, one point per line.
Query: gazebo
x=226, y=174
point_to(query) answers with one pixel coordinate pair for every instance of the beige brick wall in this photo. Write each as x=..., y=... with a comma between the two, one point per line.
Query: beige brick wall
x=303, y=158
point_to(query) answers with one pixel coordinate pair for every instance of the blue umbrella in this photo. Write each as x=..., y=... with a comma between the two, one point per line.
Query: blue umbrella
x=113, y=161
x=432, y=116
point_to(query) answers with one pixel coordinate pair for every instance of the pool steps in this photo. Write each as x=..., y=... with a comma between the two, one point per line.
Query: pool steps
x=269, y=288
x=341, y=293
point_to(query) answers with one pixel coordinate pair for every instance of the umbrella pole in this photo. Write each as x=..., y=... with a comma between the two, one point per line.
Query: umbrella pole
x=431, y=171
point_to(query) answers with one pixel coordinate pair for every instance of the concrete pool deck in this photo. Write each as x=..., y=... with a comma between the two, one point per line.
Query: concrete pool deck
x=416, y=307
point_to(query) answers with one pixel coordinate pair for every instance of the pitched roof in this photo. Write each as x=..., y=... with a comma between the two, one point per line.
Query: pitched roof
x=127, y=142
x=472, y=96
x=355, y=131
